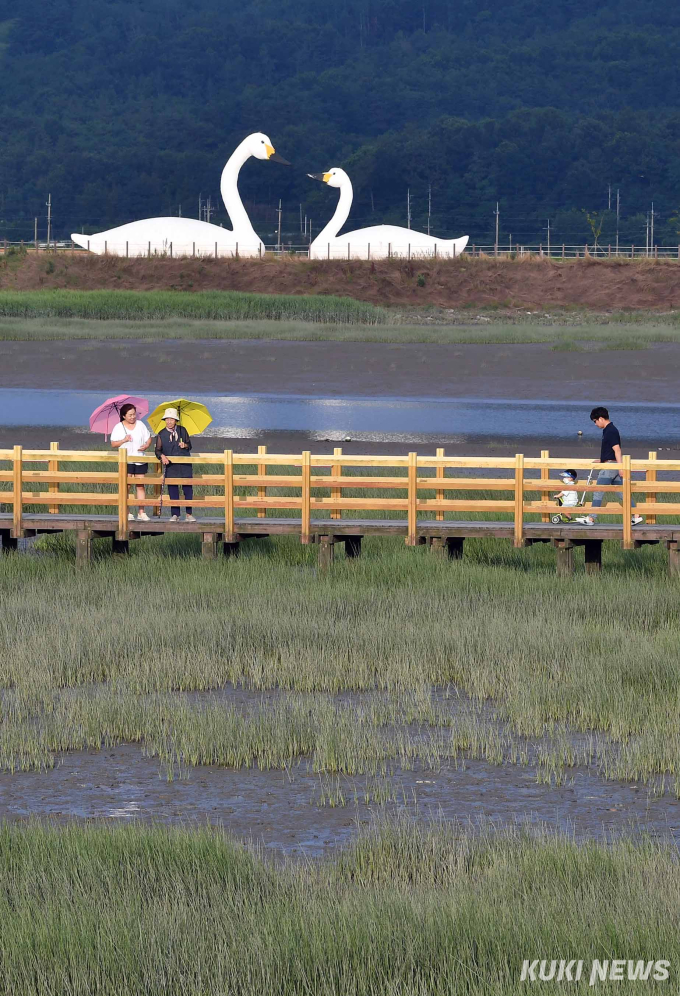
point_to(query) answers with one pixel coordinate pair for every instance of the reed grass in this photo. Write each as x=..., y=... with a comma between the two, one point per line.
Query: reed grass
x=551, y=659
x=407, y=910
x=206, y=306
x=350, y=325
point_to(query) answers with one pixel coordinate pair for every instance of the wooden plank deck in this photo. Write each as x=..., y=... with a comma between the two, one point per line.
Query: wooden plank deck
x=446, y=537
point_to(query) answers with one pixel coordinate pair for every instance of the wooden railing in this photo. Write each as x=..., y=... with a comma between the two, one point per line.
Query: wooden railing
x=240, y=481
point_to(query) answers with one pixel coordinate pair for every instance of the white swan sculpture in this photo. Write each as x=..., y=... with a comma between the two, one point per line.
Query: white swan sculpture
x=186, y=236
x=377, y=242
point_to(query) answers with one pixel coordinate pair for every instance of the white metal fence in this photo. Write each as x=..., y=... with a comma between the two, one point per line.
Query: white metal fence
x=349, y=252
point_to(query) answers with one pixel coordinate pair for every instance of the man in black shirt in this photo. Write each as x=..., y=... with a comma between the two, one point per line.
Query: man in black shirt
x=610, y=452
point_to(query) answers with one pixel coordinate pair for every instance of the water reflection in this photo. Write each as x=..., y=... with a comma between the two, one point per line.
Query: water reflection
x=385, y=419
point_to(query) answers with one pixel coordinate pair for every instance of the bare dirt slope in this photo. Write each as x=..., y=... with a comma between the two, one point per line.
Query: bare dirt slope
x=469, y=281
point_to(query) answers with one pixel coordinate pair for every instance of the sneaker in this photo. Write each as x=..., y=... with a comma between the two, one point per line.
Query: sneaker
x=585, y=520
x=636, y=520
x=143, y=516
x=190, y=518
x=174, y=518
x=131, y=515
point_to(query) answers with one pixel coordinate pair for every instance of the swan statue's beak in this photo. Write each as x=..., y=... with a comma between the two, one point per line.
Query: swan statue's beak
x=273, y=156
x=324, y=177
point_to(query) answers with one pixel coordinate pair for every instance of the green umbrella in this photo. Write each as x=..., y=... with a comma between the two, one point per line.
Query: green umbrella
x=194, y=416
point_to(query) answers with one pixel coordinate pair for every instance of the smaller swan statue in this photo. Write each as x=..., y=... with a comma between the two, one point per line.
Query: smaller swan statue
x=377, y=242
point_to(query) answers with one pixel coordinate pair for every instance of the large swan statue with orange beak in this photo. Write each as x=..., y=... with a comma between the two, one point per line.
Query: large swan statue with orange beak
x=188, y=236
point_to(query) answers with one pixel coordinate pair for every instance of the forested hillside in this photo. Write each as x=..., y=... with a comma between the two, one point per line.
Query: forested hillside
x=125, y=109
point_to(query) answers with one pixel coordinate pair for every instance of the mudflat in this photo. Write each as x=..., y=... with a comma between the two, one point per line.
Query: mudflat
x=521, y=371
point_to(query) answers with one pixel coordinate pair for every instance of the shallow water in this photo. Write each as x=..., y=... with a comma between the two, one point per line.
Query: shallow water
x=386, y=419
x=281, y=809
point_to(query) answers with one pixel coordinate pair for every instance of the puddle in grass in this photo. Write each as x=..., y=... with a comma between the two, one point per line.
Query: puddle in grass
x=280, y=809
x=291, y=811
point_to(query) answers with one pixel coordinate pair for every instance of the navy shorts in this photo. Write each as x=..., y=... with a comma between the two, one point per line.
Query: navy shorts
x=138, y=469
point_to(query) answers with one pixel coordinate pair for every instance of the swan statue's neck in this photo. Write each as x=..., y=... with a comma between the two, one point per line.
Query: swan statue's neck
x=240, y=222
x=341, y=214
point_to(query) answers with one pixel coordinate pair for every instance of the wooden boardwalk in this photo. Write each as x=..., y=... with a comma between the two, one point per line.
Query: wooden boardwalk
x=40, y=485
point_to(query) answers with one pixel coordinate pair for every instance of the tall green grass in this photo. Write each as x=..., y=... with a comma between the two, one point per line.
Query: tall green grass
x=201, y=305
x=407, y=911
x=593, y=655
x=356, y=325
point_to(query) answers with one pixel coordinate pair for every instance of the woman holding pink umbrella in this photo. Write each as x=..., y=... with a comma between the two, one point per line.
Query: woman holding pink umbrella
x=131, y=434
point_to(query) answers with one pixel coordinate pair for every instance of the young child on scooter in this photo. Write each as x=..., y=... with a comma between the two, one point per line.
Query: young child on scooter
x=567, y=498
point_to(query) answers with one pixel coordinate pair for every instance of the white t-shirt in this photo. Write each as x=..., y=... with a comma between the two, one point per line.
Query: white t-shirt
x=140, y=435
x=569, y=498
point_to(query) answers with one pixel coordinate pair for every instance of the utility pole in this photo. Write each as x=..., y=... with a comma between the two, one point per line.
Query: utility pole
x=647, y=235
x=408, y=207
x=548, y=238
x=495, y=245
x=278, y=243
x=609, y=198
x=617, y=220
x=301, y=232
x=429, y=206
x=35, y=233
x=651, y=231
x=208, y=208
x=49, y=219
x=200, y=205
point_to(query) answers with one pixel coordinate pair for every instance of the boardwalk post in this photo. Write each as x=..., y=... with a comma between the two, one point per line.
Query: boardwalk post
x=306, y=497
x=261, y=491
x=519, y=499
x=352, y=547
x=651, y=479
x=53, y=467
x=545, y=476
x=83, y=547
x=18, y=492
x=412, y=539
x=326, y=552
x=209, y=546
x=229, y=536
x=673, y=558
x=565, y=558
x=336, y=493
x=593, y=553
x=122, y=495
x=454, y=547
x=156, y=491
x=439, y=472
x=627, y=510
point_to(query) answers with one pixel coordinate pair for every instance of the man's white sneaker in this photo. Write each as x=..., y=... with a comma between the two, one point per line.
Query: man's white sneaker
x=174, y=518
x=143, y=516
x=131, y=515
x=636, y=520
x=190, y=518
x=585, y=520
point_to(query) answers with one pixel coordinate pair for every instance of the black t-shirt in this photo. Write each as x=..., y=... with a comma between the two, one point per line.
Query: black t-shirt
x=610, y=439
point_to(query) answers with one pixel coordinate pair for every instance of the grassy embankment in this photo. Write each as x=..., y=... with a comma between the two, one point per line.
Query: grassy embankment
x=405, y=911
x=65, y=314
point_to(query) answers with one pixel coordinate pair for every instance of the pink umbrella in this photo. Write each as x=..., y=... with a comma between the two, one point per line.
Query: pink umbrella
x=107, y=414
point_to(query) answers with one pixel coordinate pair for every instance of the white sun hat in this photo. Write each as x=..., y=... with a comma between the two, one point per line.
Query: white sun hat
x=170, y=413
